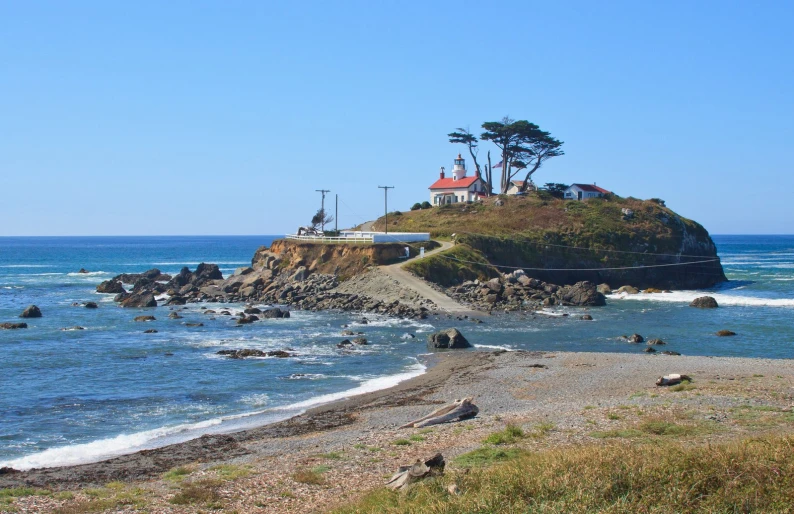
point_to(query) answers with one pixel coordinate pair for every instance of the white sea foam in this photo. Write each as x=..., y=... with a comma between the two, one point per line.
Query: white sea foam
x=722, y=298
x=25, y=266
x=493, y=346
x=373, y=384
x=126, y=443
x=103, y=448
x=89, y=274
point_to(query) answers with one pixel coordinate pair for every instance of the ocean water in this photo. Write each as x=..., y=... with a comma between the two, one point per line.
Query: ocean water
x=71, y=396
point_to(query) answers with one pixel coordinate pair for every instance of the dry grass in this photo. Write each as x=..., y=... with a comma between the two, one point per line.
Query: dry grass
x=748, y=476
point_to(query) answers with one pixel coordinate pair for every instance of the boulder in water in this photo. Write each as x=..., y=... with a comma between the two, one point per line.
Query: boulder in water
x=91, y=305
x=112, y=286
x=726, y=333
x=144, y=318
x=31, y=312
x=447, y=339
x=142, y=299
x=275, y=313
x=636, y=338
x=13, y=326
x=704, y=302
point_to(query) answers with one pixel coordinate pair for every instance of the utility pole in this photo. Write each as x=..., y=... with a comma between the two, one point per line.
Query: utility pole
x=386, y=204
x=336, y=215
x=323, y=191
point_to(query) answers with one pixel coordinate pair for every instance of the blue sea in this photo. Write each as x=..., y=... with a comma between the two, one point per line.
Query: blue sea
x=73, y=396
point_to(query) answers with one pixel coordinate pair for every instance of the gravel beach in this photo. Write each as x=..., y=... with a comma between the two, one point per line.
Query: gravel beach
x=356, y=442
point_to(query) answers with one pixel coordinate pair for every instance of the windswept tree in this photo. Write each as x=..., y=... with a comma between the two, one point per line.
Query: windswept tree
x=320, y=219
x=464, y=136
x=524, y=146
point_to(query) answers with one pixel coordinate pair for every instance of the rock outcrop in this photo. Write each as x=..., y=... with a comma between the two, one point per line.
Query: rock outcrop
x=142, y=299
x=518, y=291
x=111, y=286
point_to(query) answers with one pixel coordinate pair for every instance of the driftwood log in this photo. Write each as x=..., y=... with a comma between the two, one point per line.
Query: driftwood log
x=459, y=409
x=407, y=475
x=672, y=379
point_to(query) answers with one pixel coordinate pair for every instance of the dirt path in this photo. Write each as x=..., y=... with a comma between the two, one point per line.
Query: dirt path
x=406, y=279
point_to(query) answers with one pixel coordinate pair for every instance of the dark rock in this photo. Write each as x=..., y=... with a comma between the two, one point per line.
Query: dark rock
x=121, y=296
x=150, y=331
x=139, y=300
x=447, y=339
x=636, y=338
x=583, y=293
x=252, y=310
x=176, y=300
x=655, y=342
x=246, y=320
x=83, y=270
x=650, y=349
x=91, y=305
x=669, y=352
x=144, y=318
x=281, y=354
x=587, y=317
x=360, y=340
x=628, y=290
x=275, y=313
x=406, y=336
x=175, y=315
x=194, y=324
x=344, y=344
x=704, y=302
x=31, y=312
x=112, y=286
x=69, y=329
x=726, y=333
x=206, y=272
x=242, y=354
x=13, y=326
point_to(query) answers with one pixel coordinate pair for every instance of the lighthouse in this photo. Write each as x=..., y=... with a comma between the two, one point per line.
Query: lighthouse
x=459, y=168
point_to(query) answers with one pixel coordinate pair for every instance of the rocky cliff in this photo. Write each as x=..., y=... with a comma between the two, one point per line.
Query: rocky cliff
x=611, y=240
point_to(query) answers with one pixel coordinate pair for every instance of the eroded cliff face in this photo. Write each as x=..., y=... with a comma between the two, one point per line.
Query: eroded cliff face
x=342, y=260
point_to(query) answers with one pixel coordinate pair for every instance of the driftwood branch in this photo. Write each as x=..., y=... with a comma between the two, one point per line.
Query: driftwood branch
x=672, y=379
x=407, y=475
x=459, y=409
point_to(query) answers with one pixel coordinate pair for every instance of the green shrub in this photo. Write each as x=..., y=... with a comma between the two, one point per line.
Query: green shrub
x=426, y=205
x=416, y=206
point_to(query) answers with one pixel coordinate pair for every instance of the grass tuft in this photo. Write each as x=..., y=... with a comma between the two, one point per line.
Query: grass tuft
x=509, y=435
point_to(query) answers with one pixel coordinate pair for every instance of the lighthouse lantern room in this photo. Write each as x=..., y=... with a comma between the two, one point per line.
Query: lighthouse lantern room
x=459, y=168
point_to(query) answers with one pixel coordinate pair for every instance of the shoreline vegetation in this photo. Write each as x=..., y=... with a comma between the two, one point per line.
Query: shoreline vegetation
x=635, y=446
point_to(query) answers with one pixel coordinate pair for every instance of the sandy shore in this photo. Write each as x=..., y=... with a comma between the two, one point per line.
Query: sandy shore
x=356, y=442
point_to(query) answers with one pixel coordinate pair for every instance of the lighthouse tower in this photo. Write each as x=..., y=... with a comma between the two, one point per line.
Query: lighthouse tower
x=459, y=169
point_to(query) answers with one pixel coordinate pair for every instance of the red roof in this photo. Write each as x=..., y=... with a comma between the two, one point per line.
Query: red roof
x=450, y=183
x=592, y=188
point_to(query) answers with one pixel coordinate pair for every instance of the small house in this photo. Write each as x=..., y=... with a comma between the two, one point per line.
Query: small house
x=584, y=192
x=458, y=187
x=516, y=185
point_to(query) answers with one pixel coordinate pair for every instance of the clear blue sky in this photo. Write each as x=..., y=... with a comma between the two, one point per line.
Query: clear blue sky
x=224, y=117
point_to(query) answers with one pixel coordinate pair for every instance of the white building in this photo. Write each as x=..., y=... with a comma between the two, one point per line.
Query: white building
x=458, y=187
x=584, y=191
x=516, y=185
